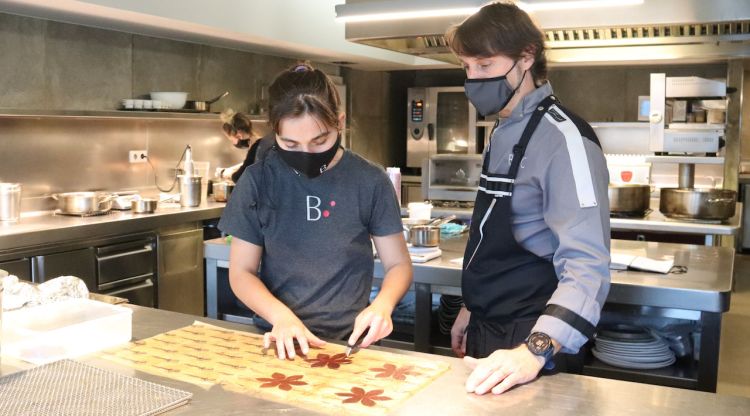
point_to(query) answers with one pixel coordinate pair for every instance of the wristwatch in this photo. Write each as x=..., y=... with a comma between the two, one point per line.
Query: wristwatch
x=540, y=344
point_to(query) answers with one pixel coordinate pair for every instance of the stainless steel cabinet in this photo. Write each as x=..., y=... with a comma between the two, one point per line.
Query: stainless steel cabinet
x=79, y=263
x=181, y=285
x=18, y=267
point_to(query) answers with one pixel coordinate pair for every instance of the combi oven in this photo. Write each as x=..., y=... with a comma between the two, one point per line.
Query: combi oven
x=440, y=120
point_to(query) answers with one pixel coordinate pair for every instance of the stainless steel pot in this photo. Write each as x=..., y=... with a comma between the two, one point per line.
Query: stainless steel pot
x=424, y=235
x=699, y=204
x=629, y=198
x=81, y=203
x=144, y=205
x=222, y=190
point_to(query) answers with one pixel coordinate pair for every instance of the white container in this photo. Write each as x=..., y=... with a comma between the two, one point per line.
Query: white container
x=10, y=201
x=420, y=210
x=394, y=174
x=66, y=329
x=202, y=169
x=173, y=100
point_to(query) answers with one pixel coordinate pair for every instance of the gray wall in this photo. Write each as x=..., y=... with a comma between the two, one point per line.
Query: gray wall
x=596, y=93
x=371, y=124
x=53, y=65
x=49, y=65
x=611, y=93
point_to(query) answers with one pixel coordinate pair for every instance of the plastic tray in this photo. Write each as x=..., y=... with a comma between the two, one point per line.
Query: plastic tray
x=66, y=329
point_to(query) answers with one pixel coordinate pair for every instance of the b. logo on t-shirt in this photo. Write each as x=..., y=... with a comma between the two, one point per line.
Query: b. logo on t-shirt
x=314, y=212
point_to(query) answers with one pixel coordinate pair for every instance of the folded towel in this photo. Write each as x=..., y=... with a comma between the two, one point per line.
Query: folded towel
x=620, y=261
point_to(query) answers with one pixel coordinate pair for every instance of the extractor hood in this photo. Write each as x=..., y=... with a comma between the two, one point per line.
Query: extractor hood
x=652, y=31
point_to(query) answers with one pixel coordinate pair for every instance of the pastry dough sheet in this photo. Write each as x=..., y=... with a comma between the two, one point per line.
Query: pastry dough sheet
x=368, y=383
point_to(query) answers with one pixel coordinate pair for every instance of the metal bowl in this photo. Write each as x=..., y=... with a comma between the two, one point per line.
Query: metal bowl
x=629, y=198
x=144, y=205
x=222, y=190
x=83, y=203
x=424, y=235
x=698, y=204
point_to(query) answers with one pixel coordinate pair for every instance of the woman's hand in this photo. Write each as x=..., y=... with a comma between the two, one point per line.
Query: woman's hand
x=502, y=370
x=285, y=330
x=458, y=332
x=377, y=317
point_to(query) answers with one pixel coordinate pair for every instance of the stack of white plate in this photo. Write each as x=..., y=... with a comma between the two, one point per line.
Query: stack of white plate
x=632, y=347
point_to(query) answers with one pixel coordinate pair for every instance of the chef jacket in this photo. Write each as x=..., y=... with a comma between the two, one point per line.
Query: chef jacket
x=560, y=210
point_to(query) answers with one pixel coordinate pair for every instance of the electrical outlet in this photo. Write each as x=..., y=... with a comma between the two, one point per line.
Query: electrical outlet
x=137, y=156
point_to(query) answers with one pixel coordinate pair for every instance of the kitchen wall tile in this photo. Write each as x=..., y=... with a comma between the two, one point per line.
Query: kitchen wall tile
x=165, y=65
x=21, y=68
x=86, y=68
x=234, y=71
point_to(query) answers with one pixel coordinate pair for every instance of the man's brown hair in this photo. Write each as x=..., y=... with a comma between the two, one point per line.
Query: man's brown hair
x=500, y=28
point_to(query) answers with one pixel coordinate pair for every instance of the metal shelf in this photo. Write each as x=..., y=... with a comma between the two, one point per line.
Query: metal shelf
x=114, y=114
x=696, y=160
x=682, y=374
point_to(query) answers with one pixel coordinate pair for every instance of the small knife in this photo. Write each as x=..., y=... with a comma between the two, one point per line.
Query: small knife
x=351, y=349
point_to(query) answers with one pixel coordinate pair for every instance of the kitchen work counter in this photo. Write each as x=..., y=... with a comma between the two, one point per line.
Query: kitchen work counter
x=655, y=221
x=46, y=227
x=561, y=394
x=701, y=294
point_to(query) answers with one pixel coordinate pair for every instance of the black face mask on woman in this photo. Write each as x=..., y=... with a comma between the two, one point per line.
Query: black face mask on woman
x=242, y=144
x=490, y=95
x=310, y=164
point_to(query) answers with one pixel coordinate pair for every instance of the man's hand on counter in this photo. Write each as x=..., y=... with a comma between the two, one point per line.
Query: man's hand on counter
x=502, y=370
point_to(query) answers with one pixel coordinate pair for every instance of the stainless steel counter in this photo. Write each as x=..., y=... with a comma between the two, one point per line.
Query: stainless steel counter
x=702, y=294
x=561, y=394
x=653, y=222
x=46, y=227
x=706, y=286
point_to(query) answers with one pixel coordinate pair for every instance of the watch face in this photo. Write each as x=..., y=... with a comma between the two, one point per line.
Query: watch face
x=539, y=343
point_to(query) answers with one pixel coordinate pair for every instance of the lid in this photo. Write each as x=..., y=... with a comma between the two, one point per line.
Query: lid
x=10, y=187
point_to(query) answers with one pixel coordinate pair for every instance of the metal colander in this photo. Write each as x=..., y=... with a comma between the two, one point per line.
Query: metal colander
x=68, y=387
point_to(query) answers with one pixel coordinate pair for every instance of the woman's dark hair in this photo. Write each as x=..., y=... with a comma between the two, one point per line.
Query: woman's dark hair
x=303, y=90
x=238, y=122
x=500, y=28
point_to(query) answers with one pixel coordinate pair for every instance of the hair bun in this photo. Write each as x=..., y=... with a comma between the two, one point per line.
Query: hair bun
x=302, y=67
x=227, y=115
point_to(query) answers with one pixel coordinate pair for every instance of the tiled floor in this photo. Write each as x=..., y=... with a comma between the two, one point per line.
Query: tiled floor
x=734, y=359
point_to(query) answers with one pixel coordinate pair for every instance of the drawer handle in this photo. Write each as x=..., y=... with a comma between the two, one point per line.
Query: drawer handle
x=144, y=250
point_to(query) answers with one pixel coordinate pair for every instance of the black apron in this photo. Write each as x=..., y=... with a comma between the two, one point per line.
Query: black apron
x=505, y=286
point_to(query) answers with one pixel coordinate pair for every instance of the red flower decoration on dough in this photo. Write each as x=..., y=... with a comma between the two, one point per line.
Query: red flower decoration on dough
x=281, y=381
x=331, y=361
x=359, y=395
x=398, y=373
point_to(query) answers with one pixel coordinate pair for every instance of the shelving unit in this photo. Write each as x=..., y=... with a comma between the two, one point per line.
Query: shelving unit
x=695, y=160
x=681, y=374
x=107, y=114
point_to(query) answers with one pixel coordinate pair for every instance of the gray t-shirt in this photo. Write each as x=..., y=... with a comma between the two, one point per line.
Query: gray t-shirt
x=315, y=233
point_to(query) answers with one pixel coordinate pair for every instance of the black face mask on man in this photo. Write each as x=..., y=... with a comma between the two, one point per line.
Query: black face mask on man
x=309, y=164
x=490, y=95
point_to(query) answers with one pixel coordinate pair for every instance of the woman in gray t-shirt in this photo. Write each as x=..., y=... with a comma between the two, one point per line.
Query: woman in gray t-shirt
x=307, y=212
